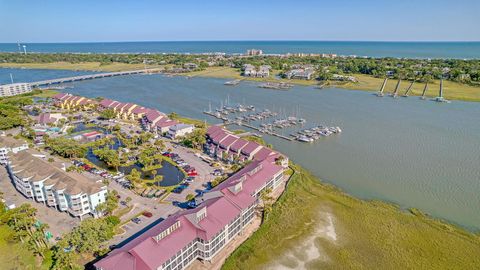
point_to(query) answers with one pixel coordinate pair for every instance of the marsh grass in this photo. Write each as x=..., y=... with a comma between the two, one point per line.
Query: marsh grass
x=370, y=234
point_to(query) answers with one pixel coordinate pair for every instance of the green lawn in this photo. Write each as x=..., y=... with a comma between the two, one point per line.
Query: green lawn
x=370, y=234
x=15, y=256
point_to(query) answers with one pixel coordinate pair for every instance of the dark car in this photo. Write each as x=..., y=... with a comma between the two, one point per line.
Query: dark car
x=136, y=220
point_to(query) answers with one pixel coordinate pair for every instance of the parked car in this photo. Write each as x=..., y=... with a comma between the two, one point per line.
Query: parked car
x=177, y=190
x=147, y=214
x=136, y=220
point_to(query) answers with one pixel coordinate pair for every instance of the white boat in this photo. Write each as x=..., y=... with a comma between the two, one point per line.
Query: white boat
x=304, y=139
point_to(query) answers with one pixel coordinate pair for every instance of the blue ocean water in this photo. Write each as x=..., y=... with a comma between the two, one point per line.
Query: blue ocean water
x=458, y=50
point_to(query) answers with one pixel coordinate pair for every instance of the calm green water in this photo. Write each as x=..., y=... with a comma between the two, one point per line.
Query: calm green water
x=411, y=152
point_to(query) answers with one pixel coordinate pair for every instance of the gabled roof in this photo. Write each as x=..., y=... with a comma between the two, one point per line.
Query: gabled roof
x=228, y=140
x=250, y=148
x=165, y=122
x=238, y=145
x=154, y=115
x=60, y=96
x=263, y=153
x=106, y=103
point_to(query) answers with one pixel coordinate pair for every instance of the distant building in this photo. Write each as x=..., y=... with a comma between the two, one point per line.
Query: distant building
x=14, y=89
x=190, y=66
x=41, y=181
x=179, y=130
x=253, y=52
x=300, y=73
x=345, y=78
x=250, y=71
x=263, y=71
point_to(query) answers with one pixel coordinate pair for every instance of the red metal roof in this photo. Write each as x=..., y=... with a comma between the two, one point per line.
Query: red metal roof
x=238, y=145
x=144, y=252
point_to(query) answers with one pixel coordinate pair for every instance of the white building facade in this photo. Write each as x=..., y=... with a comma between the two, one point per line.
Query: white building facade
x=14, y=89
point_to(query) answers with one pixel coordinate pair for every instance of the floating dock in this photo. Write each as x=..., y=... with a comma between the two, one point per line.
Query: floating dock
x=233, y=83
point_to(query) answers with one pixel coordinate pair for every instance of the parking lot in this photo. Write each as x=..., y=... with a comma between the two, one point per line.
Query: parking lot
x=203, y=169
x=160, y=210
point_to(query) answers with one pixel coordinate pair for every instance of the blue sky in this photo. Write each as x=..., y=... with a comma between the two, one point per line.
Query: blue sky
x=142, y=20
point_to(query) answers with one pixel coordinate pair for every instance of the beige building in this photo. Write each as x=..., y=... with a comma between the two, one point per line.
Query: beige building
x=41, y=181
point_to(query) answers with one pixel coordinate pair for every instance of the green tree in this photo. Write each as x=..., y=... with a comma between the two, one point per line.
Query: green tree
x=108, y=114
x=66, y=147
x=109, y=156
x=135, y=178
x=110, y=204
x=190, y=197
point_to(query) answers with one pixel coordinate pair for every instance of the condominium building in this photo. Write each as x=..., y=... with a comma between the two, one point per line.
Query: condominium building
x=39, y=180
x=10, y=145
x=223, y=145
x=72, y=102
x=180, y=130
x=200, y=233
x=14, y=89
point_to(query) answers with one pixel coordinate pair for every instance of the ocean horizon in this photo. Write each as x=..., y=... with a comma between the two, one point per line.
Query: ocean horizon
x=397, y=49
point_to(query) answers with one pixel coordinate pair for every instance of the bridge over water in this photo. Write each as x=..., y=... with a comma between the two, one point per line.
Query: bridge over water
x=91, y=76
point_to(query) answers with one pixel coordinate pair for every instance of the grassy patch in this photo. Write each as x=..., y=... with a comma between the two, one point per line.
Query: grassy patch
x=451, y=90
x=371, y=234
x=15, y=256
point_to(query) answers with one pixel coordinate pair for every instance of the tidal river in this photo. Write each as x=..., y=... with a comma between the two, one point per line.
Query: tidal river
x=407, y=151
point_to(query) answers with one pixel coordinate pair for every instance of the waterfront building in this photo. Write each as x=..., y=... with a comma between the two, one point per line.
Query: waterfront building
x=223, y=145
x=338, y=77
x=263, y=71
x=250, y=71
x=163, y=126
x=71, y=102
x=41, y=181
x=201, y=233
x=14, y=89
x=151, y=118
x=179, y=130
x=300, y=73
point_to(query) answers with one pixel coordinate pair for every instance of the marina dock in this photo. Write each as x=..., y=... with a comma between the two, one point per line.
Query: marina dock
x=270, y=126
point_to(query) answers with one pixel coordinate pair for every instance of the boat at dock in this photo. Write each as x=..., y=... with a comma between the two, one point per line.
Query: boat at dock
x=304, y=138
